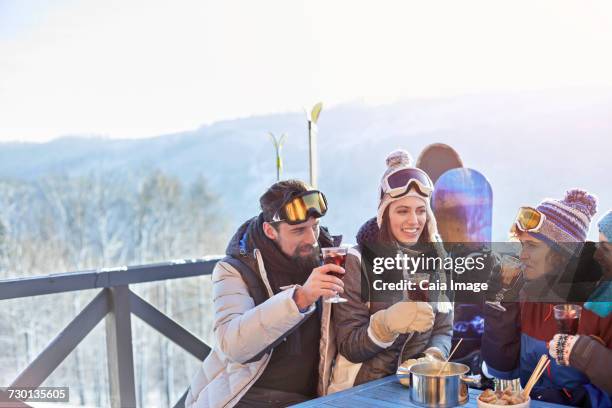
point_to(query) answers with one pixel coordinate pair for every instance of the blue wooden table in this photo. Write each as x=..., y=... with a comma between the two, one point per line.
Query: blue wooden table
x=388, y=393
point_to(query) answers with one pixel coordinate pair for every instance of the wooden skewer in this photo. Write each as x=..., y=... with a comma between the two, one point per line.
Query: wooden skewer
x=535, y=376
x=449, y=356
x=537, y=368
x=536, y=373
x=539, y=373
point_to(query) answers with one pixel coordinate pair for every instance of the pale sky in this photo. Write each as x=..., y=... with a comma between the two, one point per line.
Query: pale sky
x=126, y=68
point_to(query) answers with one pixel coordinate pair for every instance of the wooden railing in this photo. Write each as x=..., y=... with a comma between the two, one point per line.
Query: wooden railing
x=115, y=303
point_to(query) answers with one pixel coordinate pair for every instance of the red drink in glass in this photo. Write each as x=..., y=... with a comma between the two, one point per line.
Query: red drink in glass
x=336, y=256
x=568, y=325
x=336, y=259
x=420, y=293
x=568, y=318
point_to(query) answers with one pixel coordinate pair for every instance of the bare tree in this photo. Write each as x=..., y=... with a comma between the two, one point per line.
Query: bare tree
x=98, y=220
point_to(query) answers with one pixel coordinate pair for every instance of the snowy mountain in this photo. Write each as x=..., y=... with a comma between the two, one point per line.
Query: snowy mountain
x=529, y=145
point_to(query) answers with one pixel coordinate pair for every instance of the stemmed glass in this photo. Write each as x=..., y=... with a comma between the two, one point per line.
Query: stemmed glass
x=511, y=271
x=336, y=256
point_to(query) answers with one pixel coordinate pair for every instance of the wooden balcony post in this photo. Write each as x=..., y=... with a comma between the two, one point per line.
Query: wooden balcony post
x=119, y=349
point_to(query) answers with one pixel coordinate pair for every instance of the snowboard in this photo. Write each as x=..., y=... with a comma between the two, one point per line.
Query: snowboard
x=437, y=158
x=462, y=202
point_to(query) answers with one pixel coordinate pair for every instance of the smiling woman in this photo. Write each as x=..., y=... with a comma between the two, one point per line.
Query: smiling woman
x=404, y=220
x=373, y=336
x=404, y=212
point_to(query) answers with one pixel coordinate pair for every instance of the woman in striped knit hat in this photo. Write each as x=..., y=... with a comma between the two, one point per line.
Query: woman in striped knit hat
x=551, y=235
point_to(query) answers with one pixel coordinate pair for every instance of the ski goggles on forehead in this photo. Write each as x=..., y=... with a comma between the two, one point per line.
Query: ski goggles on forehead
x=529, y=219
x=399, y=183
x=299, y=208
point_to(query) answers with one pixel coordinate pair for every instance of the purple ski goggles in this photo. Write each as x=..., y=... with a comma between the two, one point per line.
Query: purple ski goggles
x=399, y=183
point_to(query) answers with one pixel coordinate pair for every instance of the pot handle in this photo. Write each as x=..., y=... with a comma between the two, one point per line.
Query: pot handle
x=475, y=380
x=404, y=376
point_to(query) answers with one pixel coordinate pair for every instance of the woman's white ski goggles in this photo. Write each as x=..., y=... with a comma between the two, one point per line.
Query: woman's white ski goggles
x=400, y=182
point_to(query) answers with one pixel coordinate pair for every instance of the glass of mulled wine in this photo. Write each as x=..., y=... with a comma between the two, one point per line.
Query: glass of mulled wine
x=567, y=317
x=420, y=293
x=510, y=271
x=336, y=256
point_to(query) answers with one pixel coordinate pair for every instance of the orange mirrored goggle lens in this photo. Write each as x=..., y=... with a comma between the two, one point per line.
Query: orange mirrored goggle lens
x=297, y=210
x=528, y=218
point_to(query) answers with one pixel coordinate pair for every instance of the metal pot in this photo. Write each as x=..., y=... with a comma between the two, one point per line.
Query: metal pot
x=428, y=389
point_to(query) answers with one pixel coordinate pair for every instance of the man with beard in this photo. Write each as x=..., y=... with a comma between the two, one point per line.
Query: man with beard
x=273, y=342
